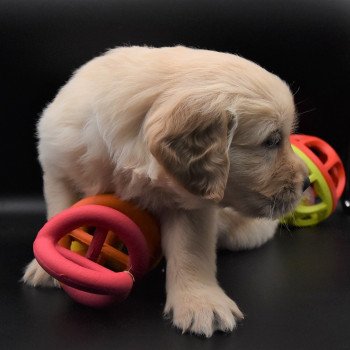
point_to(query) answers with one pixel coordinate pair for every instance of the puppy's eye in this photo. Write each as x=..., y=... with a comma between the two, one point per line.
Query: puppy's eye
x=273, y=141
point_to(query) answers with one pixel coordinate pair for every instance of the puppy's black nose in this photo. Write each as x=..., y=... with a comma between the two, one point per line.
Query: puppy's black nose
x=306, y=183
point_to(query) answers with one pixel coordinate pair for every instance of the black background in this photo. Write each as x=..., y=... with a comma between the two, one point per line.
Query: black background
x=306, y=42
x=295, y=290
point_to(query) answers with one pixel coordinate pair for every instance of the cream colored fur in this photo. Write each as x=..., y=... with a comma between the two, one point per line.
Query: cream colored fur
x=184, y=133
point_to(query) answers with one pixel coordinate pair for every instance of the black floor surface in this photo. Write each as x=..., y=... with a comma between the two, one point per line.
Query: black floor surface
x=294, y=291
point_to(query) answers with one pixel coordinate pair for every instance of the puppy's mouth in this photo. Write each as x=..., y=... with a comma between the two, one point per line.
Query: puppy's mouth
x=254, y=203
x=275, y=207
x=257, y=202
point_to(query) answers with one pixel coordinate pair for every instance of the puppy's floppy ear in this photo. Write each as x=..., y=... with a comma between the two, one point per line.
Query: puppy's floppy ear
x=190, y=138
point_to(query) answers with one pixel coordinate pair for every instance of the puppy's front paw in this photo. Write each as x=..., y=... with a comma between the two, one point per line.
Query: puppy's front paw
x=35, y=275
x=202, y=309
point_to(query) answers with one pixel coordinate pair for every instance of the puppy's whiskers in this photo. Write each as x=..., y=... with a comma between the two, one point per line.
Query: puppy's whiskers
x=306, y=112
x=272, y=208
x=296, y=91
x=284, y=223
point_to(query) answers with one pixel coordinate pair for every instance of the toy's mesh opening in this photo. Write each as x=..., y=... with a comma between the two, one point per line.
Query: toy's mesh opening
x=113, y=240
x=322, y=156
x=90, y=230
x=115, y=265
x=305, y=217
x=311, y=195
x=334, y=172
x=123, y=248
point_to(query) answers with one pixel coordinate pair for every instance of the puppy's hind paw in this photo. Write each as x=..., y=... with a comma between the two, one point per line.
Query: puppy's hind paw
x=35, y=276
x=202, y=311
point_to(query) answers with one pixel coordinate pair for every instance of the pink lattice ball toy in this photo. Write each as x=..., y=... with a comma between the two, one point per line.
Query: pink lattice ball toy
x=82, y=275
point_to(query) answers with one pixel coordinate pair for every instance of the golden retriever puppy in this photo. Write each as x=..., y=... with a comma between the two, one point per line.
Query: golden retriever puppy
x=200, y=138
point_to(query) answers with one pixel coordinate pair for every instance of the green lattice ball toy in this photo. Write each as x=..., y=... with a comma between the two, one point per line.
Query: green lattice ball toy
x=327, y=177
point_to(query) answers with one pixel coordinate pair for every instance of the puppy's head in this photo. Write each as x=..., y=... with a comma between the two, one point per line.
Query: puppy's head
x=229, y=142
x=266, y=178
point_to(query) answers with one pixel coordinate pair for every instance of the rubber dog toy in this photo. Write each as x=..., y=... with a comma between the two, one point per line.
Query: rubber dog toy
x=97, y=249
x=327, y=177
